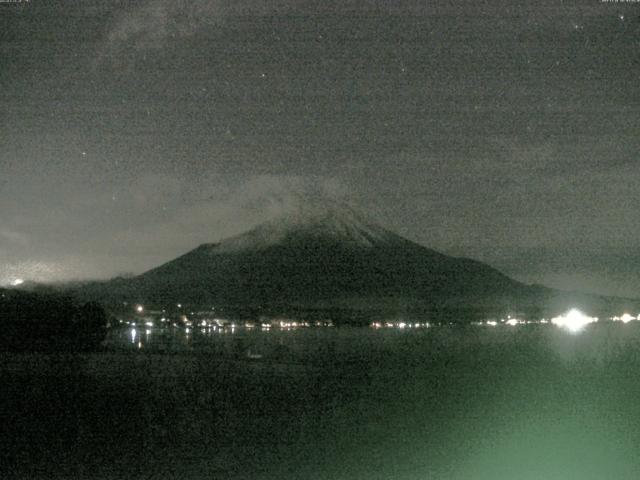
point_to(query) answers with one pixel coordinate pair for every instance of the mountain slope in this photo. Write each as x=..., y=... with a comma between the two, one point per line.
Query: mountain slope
x=328, y=256
x=317, y=256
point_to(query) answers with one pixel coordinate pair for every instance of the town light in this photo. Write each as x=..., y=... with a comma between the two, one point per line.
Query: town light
x=574, y=320
x=626, y=318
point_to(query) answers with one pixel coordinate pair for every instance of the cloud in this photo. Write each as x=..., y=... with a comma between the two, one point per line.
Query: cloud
x=562, y=156
x=159, y=217
x=227, y=208
x=12, y=237
x=153, y=24
x=104, y=230
x=144, y=28
x=28, y=270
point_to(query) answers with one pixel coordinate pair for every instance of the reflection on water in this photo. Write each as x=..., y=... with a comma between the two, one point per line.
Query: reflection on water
x=491, y=402
x=300, y=339
x=201, y=331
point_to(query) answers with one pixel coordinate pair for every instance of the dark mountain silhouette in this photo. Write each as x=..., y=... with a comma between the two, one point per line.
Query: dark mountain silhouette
x=330, y=257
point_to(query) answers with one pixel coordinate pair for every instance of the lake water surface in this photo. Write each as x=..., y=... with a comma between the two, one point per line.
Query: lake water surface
x=522, y=402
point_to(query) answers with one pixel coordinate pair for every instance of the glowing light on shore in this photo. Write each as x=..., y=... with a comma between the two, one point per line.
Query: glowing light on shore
x=139, y=308
x=16, y=282
x=625, y=318
x=574, y=320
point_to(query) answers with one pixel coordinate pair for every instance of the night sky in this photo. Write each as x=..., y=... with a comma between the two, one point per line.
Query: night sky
x=505, y=131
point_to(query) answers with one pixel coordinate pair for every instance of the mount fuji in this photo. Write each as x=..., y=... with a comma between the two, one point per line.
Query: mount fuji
x=326, y=256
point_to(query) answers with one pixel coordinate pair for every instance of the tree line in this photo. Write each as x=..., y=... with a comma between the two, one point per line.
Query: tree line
x=49, y=322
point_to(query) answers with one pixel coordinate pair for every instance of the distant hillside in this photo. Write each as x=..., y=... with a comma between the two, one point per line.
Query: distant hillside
x=32, y=321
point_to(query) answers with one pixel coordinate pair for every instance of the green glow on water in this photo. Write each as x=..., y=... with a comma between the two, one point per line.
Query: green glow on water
x=564, y=445
x=452, y=403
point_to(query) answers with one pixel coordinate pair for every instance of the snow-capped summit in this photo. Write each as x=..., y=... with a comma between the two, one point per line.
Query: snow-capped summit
x=323, y=258
x=320, y=220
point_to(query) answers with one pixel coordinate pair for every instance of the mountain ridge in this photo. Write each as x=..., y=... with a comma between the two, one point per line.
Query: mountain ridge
x=323, y=257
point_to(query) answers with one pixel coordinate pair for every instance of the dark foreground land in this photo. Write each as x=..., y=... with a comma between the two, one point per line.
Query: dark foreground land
x=525, y=402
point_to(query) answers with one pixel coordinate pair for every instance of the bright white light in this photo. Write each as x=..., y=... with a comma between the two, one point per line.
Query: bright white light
x=139, y=309
x=626, y=318
x=17, y=281
x=133, y=335
x=492, y=323
x=512, y=322
x=574, y=320
x=149, y=324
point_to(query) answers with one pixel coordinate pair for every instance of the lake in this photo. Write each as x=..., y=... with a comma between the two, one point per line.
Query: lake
x=446, y=402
